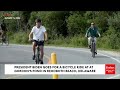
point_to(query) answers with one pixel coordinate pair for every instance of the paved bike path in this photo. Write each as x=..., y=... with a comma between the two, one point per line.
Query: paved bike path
x=22, y=54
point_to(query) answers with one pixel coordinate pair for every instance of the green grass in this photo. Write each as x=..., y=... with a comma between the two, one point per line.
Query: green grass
x=76, y=41
x=19, y=37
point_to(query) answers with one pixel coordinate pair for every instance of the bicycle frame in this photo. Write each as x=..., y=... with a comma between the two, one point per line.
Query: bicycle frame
x=5, y=39
x=37, y=56
x=93, y=47
x=37, y=60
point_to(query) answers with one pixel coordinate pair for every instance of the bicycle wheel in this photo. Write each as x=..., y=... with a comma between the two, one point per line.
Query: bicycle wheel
x=37, y=59
x=7, y=41
x=1, y=42
x=38, y=56
x=93, y=49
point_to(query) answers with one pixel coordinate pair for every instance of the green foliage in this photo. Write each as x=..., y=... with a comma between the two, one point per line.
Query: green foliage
x=25, y=15
x=19, y=37
x=76, y=24
x=67, y=27
x=114, y=21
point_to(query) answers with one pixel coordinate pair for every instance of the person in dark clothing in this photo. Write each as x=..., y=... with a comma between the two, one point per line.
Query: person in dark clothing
x=3, y=29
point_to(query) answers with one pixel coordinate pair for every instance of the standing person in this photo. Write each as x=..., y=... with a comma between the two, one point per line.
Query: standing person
x=38, y=32
x=92, y=32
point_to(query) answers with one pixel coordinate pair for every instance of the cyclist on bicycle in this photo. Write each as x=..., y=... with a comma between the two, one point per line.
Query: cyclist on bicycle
x=0, y=32
x=92, y=32
x=38, y=32
x=3, y=30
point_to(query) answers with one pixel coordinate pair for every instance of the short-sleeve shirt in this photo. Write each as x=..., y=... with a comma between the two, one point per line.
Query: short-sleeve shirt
x=38, y=33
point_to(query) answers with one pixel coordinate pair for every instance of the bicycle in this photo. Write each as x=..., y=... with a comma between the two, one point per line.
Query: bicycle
x=5, y=40
x=37, y=56
x=93, y=47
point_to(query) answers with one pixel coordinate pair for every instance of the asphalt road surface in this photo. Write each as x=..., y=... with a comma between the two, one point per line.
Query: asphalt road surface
x=22, y=54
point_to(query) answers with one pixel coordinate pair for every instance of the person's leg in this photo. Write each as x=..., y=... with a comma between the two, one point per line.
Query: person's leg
x=2, y=34
x=95, y=45
x=34, y=49
x=5, y=34
x=42, y=51
x=89, y=42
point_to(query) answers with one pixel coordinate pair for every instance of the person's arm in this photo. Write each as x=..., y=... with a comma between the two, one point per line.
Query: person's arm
x=1, y=33
x=98, y=32
x=30, y=34
x=0, y=27
x=5, y=27
x=87, y=32
x=46, y=37
x=45, y=34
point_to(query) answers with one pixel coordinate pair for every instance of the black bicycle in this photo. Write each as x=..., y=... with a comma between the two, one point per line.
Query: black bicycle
x=93, y=47
x=5, y=40
x=37, y=56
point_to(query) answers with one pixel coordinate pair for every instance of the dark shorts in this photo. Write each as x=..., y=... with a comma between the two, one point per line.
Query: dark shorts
x=40, y=43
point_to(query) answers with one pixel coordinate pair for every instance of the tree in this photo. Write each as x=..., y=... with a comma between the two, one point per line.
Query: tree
x=76, y=24
x=25, y=15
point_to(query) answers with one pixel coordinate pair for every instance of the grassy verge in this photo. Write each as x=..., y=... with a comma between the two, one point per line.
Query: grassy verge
x=76, y=41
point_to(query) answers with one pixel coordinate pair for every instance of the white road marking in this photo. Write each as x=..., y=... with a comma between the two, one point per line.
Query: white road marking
x=12, y=77
x=82, y=51
x=99, y=54
x=113, y=76
x=90, y=53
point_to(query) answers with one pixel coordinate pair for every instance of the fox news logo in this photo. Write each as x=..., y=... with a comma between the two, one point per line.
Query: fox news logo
x=9, y=16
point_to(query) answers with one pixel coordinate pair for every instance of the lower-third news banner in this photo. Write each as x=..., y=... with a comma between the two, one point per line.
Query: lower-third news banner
x=60, y=69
